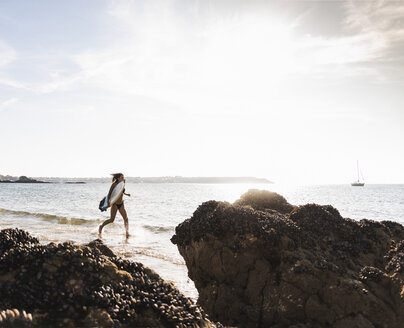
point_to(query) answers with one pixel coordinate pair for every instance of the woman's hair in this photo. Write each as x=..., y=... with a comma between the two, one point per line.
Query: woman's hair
x=116, y=176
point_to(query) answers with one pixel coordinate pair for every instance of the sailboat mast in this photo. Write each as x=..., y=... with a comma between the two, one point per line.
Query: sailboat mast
x=358, y=182
x=357, y=167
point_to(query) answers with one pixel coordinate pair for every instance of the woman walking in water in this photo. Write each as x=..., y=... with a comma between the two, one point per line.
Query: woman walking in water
x=117, y=206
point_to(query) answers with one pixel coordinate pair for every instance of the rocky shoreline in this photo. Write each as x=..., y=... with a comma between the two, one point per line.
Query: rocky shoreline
x=67, y=285
x=23, y=179
x=262, y=262
x=259, y=262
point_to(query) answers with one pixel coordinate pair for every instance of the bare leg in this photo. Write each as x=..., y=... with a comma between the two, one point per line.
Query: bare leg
x=110, y=220
x=125, y=219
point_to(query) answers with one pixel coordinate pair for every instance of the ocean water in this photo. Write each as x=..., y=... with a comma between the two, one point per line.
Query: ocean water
x=69, y=212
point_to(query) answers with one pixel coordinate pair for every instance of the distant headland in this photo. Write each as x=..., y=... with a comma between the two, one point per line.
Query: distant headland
x=21, y=179
x=164, y=179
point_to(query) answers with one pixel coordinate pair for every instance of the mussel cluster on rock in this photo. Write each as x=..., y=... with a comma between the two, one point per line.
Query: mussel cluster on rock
x=287, y=266
x=66, y=285
x=15, y=318
x=264, y=200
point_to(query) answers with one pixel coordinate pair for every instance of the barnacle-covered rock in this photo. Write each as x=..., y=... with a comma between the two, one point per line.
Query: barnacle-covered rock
x=14, y=318
x=256, y=263
x=264, y=200
x=67, y=285
x=12, y=238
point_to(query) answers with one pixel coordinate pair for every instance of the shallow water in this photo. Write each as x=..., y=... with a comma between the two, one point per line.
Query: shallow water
x=61, y=212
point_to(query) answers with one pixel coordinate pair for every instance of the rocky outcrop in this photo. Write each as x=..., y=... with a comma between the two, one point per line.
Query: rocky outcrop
x=22, y=179
x=66, y=285
x=260, y=267
x=264, y=200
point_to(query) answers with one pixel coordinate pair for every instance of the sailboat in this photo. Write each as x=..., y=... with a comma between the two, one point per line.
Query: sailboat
x=358, y=183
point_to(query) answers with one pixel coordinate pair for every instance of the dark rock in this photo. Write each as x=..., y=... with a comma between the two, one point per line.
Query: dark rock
x=15, y=239
x=66, y=285
x=100, y=246
x=13, y=318
x=262, y=265
x=22, y=179
x=264, y=200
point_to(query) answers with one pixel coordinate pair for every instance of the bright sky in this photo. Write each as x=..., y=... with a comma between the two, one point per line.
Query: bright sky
x=293, y=91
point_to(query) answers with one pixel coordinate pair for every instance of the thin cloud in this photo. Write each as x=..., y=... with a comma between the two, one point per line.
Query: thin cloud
x=380, y=23
x=381, y=16
x=7, y=54
x=7, y=103
x=159, y=52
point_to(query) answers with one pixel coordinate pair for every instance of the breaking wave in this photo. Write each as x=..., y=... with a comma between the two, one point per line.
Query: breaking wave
x=158, y=229
x=48, y=217
x=151, y=253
